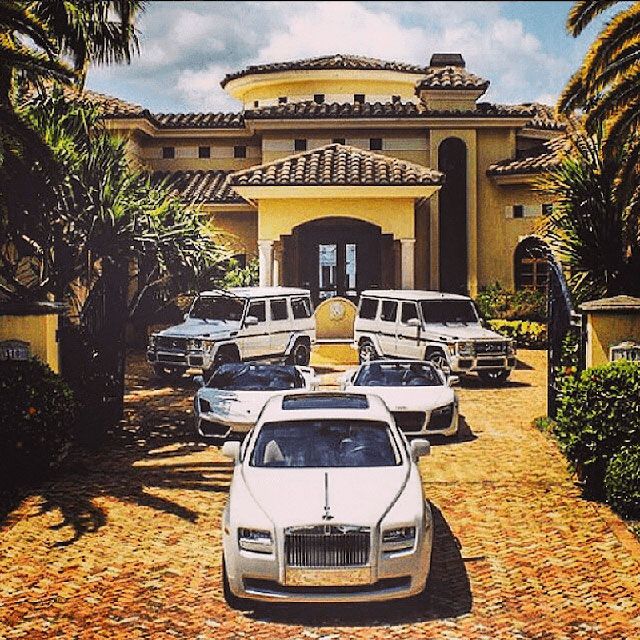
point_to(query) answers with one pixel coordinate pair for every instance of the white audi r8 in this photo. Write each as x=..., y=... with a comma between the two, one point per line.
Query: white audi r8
x=229, y=403
x=325, y=505
x=418, y=394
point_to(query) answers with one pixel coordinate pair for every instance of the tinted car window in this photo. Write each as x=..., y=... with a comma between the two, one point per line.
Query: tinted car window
x=396, y=374
x=279, y=309
x=217, y=308
x=325, y=443
x=251, y=377
x=301, y=307
x=389, y=309
x=368, y=308
x=258, y=310
x=409, y=311
x=443, y=311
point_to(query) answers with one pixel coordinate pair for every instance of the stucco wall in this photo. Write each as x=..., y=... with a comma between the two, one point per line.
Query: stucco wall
x=605, y=330
x=240, y=229
x=39, y=331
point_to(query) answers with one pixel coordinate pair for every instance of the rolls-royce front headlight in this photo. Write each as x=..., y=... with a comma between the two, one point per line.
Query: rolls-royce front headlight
x=256, y=540
x=398, y=539
x=465, y=348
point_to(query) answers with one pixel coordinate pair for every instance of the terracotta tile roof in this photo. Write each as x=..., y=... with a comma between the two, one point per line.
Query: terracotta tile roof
x=616, y=303
x=334, y=61
x=451, y=77
x=347, y=110
x=200, y=120
x=336, y=164
x=200, y=187
x=536, y=160
x=544, y=117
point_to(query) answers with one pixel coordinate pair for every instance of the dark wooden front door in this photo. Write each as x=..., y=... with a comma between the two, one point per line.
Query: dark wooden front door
x=338, y=258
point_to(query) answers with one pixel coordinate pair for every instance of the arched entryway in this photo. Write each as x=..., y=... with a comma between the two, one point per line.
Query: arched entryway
x=531, y=264
x=452, y=206
x=336, y=257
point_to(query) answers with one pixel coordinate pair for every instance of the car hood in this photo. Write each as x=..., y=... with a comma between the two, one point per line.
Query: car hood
x=459, y=331
x=295, y=497
x=410, y=398
x=238, y=406
x=194, y=328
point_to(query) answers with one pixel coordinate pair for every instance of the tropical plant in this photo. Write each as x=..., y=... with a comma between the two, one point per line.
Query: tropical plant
x=496, y=302
x=606, y=86
x=594, y=226
x=622, y=481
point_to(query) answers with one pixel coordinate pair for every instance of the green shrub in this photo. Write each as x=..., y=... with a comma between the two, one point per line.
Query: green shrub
x=622, y=482
x=38, y=410
x=238, y=276
x=496, y=302
x=598, y=414
x=532, y=335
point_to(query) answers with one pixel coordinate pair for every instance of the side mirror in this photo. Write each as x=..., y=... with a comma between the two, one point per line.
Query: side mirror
x=413, y=322
x=199, y=380
x=419, y=449
x=250, y=321
x=453, y=380
x=231, y=449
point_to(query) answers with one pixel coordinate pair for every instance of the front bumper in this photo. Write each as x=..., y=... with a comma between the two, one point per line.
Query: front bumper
x=426, y=429
x=182, y=359
x=262, y=577
x=211, y=425
x=473, y=364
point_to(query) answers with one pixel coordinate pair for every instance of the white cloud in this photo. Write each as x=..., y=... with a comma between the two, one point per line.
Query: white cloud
x=201, y=89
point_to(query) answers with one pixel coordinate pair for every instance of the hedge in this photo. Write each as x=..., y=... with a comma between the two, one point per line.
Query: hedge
x=37, y=425
x=622, y=482
x=532, y=335
x=495, y=302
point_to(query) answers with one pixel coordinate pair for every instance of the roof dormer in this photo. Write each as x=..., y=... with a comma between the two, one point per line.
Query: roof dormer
x=448, y=86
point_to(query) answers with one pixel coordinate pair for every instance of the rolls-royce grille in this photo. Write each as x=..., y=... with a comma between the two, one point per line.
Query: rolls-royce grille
x=490, y=348
x=409, y=420
x=172, y=344
x=328, y=546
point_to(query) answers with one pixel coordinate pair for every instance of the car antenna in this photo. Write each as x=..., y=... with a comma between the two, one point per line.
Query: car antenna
x=327, y=512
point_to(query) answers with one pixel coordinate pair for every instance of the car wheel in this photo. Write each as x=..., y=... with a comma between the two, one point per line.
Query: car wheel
x=300, y=354
x=240, y=604
x=438, y=359
x=494, y=377
x=367, y=352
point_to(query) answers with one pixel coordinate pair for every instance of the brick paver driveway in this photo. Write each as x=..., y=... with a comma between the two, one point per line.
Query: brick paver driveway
x=126, y=544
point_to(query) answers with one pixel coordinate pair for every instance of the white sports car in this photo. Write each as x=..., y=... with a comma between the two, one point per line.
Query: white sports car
x=229, y=403
x=418, y=394
x=326, y=505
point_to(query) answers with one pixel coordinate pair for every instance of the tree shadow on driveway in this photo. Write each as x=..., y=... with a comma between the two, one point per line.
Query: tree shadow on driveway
x=448, y=595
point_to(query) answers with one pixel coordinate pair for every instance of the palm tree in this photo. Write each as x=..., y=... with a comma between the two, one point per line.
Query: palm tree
x=594, y=226
x=607, y=85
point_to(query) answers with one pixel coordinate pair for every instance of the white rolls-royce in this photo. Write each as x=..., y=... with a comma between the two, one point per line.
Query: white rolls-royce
x=230, y=401
x=418, y=394
x=326, y=505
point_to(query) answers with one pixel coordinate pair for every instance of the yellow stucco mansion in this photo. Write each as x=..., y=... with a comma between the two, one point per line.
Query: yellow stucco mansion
x=343, y=173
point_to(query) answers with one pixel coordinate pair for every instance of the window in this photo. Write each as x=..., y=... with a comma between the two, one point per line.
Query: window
x=395, y=99
x=223, y=308
x=301, y=308
x=240, y=151
x=168, y=152
x=318, y=98
x=358, y=98
x=256, y=104
x=398, y=374
x=282, y=100
x=338, y=141
x=279, y=309
x=518, y=211
x=375, y=144
x=547, y=209
x=259, y=310
x=389, y=310
x=300, y=144
x=531, y=265
x=409, y=311
x=204, y=152
x=255, y=377
x=444, y=311
x=368, y=308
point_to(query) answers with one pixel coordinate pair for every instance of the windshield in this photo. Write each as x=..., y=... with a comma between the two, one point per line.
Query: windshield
x=398, y=374
x=325, y=443
x=443, y=311
x=252, y=377
x=223, y=308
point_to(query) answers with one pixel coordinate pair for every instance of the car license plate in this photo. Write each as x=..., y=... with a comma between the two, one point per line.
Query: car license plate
x=328, y=577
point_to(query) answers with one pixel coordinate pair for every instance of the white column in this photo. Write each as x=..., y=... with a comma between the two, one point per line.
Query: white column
x=407, y=269
x=265, y=262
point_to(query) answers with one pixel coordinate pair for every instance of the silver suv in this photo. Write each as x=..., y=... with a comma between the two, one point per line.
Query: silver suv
x=243, y=323
x=428, y=325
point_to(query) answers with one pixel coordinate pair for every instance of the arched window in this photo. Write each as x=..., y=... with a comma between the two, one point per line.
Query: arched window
x=531, y=265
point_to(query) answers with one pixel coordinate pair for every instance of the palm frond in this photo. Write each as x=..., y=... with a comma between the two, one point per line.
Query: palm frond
x=618, y=97
x=583, y=12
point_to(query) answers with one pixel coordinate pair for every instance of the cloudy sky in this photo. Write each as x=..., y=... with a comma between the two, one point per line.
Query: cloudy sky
x=188, y=47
